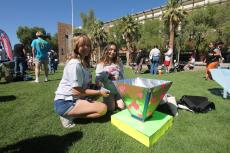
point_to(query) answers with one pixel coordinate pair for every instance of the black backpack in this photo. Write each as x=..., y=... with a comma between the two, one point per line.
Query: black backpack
x=198, y=104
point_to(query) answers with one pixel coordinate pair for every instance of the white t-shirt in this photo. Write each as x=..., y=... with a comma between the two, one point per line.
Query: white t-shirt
x=110, y=72
x=154, y=52
x=106, y=74
x=74, y=75
x=168, y=54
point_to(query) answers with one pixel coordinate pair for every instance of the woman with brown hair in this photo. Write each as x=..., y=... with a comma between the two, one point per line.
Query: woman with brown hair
x=110, y=68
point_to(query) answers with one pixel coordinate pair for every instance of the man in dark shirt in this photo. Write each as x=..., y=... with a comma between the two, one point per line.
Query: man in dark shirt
x=19, y=59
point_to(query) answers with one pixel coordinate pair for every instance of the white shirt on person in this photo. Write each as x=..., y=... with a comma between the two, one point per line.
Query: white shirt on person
x=74, y=75
x=168, y=54
x=154, y=52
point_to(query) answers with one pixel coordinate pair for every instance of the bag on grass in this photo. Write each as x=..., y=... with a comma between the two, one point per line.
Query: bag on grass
x=168, y=105
x=198, y=104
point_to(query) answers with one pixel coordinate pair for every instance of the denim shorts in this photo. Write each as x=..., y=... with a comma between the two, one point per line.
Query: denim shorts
x=62, y=107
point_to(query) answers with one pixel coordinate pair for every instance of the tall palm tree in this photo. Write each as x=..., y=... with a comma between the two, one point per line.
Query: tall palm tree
x=130, y=32
x=98, y=36
x=87, y=20
x=173, y=16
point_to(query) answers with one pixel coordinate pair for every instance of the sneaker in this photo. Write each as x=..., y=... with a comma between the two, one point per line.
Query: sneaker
x=36, y=81
x=67, y=123
x=46, y=79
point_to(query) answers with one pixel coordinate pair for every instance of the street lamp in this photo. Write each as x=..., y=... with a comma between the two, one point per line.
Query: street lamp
x=72, y=15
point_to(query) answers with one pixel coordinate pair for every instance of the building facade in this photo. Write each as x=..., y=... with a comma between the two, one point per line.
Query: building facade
x=65, y=30
x=64, y=37
x=157, y=12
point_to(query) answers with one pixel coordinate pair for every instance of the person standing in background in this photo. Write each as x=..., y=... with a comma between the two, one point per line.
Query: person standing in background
x=3, y=57
x=40, y=49
x=19, y=59
x=154, y=57
x=167, y=61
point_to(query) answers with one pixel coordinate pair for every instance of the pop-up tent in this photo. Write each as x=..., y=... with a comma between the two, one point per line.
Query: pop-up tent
x=4, y=39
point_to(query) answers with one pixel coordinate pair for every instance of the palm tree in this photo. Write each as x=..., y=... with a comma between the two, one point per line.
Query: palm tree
x=98, y=36
x=87, y=20
x=173, y=16
x=130, y=33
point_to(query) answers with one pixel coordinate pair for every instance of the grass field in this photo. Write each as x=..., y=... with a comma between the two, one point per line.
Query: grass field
x=28, y=122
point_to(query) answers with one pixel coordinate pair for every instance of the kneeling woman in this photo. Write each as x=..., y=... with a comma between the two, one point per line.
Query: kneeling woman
x=70, y=100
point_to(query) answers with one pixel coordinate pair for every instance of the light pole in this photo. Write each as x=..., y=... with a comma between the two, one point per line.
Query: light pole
x=72, y=15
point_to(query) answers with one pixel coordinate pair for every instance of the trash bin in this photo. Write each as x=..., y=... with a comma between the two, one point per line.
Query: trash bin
x=142, y=96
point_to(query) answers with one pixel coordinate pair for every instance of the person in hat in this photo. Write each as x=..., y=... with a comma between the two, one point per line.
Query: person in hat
x=40, y=49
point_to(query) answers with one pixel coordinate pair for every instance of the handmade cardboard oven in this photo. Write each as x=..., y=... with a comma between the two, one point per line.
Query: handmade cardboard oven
x=141, y=95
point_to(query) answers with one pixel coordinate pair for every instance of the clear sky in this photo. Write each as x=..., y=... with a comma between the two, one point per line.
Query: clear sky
x=46, y=13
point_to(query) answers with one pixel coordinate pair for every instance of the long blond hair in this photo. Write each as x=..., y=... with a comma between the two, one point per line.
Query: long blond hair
x=79, y=41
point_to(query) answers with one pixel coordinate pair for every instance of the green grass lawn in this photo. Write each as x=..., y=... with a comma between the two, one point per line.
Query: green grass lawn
x=28, y=122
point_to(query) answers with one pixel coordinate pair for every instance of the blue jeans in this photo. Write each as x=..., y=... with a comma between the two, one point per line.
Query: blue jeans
x=51, y=66
x=154, y=64
x=62, y=107
x=19, y=65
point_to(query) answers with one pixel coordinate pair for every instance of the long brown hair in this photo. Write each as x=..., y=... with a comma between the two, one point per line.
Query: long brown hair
x=79, y=41
x=105, y=58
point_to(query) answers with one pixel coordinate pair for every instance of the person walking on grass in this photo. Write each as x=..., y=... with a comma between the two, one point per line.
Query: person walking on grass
x=70, y=100
x=40, y=49
x=110, y=68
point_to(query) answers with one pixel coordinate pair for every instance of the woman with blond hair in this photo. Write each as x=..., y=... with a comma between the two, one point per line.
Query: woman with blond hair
x=71, y=95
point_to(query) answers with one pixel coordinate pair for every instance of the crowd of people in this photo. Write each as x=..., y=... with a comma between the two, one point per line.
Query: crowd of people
x=42, y=55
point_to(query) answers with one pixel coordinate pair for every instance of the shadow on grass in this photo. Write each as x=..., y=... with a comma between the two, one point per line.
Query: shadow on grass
x=7, y=98
x=54, y=80
x=44, y=144
x=217, y=92
x=102, y=119
x=4, y=82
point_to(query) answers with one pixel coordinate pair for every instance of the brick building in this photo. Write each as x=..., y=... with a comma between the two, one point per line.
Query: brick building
x=64, y=41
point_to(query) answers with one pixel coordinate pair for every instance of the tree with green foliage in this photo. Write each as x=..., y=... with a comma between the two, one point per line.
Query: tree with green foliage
x=206, y=25
x=115, y=34
x=98, y=36
x=173, y=16
x=151, y=34
x=26, y=35
x=88, y=20
x=53, y=42
x=130, y=33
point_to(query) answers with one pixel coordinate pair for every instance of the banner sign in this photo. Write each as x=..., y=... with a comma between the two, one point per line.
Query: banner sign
x=6, y=44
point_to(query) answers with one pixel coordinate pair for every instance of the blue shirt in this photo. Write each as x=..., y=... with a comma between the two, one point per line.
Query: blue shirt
x=41, y=48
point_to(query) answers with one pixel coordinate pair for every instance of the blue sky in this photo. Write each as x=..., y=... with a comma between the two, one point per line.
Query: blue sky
x=46, y=13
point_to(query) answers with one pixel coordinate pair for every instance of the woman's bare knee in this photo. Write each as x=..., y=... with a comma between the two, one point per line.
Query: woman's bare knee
x=102, y=110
